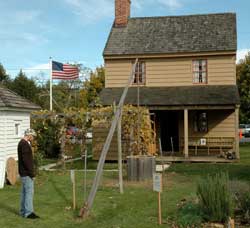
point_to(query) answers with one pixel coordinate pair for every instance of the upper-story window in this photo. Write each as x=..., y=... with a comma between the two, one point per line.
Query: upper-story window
x=200, y=71
x=140, y=73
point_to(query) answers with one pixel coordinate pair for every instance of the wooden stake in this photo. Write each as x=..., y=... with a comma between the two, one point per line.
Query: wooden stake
x=159, y=208
x=119, y=143
x=84, y=212
x=85, y=173
x=72, y=175
x=119, y=140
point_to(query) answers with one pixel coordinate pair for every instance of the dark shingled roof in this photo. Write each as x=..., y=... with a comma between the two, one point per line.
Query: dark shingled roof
x=9, y=99
x=174, y=34
x=174, y=96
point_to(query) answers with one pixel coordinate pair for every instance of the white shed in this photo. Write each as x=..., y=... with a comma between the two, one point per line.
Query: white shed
x=14, y=120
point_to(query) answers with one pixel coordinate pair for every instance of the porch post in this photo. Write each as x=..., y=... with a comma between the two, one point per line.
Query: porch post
x=186, y=133
x=237, y=150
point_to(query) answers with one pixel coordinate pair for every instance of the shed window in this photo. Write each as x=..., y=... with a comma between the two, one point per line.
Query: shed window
x=140, y=73
x=17, y=129
x=200, y=71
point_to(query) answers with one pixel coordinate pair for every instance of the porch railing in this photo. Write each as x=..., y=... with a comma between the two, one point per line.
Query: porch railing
x=208, y=145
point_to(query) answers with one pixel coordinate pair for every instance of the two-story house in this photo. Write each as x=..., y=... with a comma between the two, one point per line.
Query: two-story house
x=187, y=78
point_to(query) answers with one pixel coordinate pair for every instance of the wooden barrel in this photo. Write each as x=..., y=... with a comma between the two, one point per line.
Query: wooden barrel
x=11, y=169
x=140, y=168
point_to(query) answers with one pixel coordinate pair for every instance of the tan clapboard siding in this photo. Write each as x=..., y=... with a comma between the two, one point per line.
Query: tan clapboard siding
x=117, y=73
x=221, y=123
x=172, y=71
x=168, y=72
x=222, y=70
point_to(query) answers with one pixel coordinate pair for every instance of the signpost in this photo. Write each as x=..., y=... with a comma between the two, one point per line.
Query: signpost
x=72, y=177
x=157, y=187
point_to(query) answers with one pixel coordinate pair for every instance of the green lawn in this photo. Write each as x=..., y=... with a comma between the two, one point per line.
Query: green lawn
x=136, y=208
x=239, y=170
x=79, y=165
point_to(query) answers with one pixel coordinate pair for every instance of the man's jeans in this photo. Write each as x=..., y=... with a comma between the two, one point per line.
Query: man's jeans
x=27, y=192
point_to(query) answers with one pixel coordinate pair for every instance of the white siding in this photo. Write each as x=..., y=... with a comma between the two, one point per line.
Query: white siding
x=8, y=139
x=2, y=135
x=2, y=149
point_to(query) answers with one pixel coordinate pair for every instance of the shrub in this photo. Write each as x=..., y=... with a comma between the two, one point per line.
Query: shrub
x=52, y=129
x=47, y=138
x=189, y=215
x=241, y=195
x=215, y=197
x=38, y=160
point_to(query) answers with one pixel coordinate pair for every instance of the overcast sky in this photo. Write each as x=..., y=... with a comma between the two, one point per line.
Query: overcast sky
x=77, y=30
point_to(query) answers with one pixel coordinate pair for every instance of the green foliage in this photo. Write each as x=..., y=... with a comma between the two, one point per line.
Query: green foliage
x=47, y=137
x=25, y=87
x=4, y=77
x=92, y=87
x=189, y=215
x=38, y=161
x=215, y=197
x=243, y=82
x=241, y=193
x=51, y=129
x=138, y=134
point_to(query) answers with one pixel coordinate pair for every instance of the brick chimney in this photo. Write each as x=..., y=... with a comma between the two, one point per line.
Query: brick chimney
x=122, y=12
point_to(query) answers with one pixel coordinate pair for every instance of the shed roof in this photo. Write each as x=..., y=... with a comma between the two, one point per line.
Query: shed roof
x=174, y=34
x=9, y=99
x=174, y=96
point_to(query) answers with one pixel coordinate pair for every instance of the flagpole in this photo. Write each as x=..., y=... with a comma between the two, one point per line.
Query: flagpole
x=51, y=81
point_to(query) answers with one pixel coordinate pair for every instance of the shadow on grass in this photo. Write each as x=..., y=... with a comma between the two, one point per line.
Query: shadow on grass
x=59, y=191
x=8, y=208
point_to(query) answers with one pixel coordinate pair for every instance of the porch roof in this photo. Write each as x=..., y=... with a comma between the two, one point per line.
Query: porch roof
x=175, y=96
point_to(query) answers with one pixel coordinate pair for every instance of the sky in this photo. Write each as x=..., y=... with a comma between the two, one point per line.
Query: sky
x=76, y=31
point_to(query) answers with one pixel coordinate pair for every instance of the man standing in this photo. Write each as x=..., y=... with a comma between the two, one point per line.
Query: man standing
x=26, y=172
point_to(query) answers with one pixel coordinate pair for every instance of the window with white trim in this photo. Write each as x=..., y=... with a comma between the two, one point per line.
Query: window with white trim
x=140, y=74
x=17, y=129
x=200, y=71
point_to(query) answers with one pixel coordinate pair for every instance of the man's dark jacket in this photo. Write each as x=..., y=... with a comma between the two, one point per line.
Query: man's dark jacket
x=25, y=159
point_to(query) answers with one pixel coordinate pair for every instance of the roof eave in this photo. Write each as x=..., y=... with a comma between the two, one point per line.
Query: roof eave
x=174, y=54
x=19, y=109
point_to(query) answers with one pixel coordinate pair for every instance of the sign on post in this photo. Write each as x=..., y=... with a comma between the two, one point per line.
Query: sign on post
x=72, y=177
x=157, y=187
x=157, y=182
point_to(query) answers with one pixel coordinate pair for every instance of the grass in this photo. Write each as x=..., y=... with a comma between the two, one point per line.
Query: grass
x=79, y=164
x=239, y=171
x=137, y=207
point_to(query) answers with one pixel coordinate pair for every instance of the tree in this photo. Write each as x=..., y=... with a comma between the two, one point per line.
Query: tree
x=92, y=87
x=25, y=87
x=4, y=77
x=243, y=82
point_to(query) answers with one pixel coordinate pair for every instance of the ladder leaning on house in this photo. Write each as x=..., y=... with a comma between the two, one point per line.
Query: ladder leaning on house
x=84, y=212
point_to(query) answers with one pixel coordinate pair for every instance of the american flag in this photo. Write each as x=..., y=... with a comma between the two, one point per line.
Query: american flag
x=64, y=71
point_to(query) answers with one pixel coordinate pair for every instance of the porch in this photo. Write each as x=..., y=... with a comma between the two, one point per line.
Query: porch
x=193, y=123
x=215, y=140
x=176, y=158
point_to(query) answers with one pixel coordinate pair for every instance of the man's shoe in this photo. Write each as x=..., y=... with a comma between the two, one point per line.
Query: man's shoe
x=33, y=216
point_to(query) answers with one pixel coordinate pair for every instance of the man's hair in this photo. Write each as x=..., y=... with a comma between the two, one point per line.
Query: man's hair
x=30, y=131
